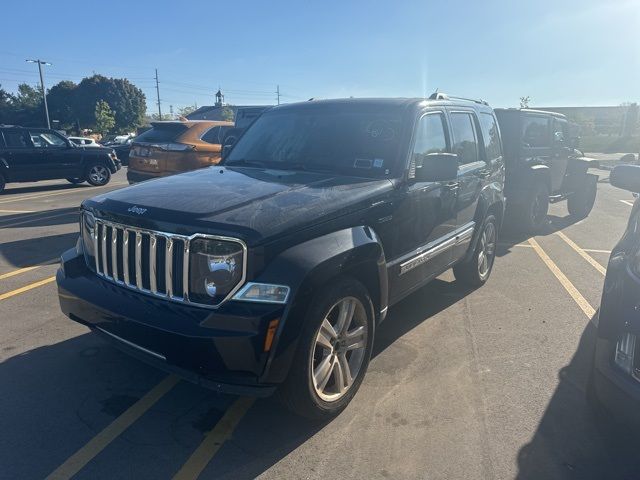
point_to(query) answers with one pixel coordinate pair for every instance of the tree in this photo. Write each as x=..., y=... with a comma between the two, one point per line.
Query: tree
x=104, y=117
x=184, y=111
x=524, y=101
x=26, y=107
x=227, y=113
x=127, y=101
x=6, y=109
x=60, y=100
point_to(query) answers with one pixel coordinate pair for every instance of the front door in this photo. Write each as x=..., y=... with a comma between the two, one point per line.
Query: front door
x=53, y=155
x=424, y=214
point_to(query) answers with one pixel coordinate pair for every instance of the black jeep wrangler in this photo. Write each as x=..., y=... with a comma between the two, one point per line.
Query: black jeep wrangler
x=543, y=166
x=32, y=154
x=274, y=268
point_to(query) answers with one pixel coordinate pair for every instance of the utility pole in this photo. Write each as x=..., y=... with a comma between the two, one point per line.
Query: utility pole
x=44, y=94
x=278, y=93
x=158, y=92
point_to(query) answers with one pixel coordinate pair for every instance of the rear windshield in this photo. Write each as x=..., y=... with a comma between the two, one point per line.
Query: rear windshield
x=162, y=133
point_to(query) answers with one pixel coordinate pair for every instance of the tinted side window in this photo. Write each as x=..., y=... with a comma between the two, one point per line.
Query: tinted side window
x=212, y=136
x=430, y=138
x=491, y=136
x=15, y=139
x=464, y=138
x=535, y=131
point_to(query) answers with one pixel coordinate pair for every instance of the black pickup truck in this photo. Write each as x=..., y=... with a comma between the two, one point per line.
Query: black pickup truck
x=271, y=270
x=543, y=166
x=33, y=154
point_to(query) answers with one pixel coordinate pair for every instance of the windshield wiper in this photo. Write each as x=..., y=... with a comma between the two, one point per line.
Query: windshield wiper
x=307, y=167
x=245, y=163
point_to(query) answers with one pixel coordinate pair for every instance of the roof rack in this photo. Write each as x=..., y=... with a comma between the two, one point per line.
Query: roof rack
x=443, y=96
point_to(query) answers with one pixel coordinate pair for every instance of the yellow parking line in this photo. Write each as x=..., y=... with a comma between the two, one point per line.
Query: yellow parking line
x=627, y=202
x=595, y=250
x=212, y=442
x=65, y=192
x=585, y=306
x=98, y=443
x=18, y=272
x=26, y=288
x=582, y=253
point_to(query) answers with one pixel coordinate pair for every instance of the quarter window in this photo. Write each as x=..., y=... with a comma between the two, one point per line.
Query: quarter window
x=491, y=136
x=465, y=144
x=215, y=135
x=535, y=131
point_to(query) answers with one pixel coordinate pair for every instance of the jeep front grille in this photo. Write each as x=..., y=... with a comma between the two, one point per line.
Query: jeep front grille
x=151, y=262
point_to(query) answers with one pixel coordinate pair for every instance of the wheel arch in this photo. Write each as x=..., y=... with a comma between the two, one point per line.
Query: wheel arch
x=353, y=252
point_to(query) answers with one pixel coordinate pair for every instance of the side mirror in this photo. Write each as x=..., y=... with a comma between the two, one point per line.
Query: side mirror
x=626, y=177
x=229, y=142
x=437, y=167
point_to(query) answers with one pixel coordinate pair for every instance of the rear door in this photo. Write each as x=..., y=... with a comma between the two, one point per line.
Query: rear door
x=53, y=155
x=472, y=172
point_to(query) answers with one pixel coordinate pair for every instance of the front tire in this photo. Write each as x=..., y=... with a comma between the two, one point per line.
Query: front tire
x=98, y=174
x=476, y=270
x=533, y=218
x=333, y=353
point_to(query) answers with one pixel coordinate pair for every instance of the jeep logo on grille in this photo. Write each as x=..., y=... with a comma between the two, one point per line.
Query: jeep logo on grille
x=137, y=210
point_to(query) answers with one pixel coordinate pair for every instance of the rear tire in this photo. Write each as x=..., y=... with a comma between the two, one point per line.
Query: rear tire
x=98, y=174
x=475, y=271
x=322, y=382
x=532, y=216
x=581, y=202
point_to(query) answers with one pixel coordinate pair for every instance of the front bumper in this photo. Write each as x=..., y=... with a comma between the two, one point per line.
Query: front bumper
x=221, y=349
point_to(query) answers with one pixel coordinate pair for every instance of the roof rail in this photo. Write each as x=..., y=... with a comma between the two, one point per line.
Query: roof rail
x=443, y=96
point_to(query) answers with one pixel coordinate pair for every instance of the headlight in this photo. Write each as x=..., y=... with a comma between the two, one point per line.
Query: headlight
x=87, y=230
x=263, y=292
x=216, y=268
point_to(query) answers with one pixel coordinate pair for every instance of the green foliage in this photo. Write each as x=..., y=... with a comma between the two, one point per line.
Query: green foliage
x=184, y=111
x=524, y=101
x=60, y=101
x=227, y=113
x=104, y=117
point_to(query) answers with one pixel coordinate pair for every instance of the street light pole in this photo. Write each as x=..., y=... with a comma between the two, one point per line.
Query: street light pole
x=44, y=94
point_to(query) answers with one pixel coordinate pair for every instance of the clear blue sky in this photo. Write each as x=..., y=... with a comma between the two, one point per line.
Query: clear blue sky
x=562, y=52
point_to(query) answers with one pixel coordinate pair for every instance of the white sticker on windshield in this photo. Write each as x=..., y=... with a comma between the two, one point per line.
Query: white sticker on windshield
x=378, y=162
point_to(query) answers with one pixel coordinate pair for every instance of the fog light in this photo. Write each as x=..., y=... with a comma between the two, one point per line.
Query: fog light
x=625, y=349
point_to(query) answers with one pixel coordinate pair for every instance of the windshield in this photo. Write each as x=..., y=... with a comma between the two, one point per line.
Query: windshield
x=345, y=141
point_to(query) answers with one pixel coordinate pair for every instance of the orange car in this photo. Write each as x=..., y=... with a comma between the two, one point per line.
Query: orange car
x=175, y=147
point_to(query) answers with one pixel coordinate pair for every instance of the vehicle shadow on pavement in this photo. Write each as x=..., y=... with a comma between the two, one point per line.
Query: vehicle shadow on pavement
x=571, y=440
x=42, y=188
x=509, y=237
x=47, y=218
x=36, y=251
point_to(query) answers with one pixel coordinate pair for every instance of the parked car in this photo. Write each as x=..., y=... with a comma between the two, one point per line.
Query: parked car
x=272, y=270
x=244, y=117
x=32, y=154
x=615, y=378
x=122, y=150
x=84, y=142
x=172, y=147
x=543, y=166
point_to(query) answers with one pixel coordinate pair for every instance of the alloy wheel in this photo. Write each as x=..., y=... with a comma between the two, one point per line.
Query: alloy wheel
x=487, y=250
x=98, y=174
x=339, y=349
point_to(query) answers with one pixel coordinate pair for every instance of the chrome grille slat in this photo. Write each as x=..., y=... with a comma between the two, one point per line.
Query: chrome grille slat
x=164, y=251
x=168, y=268
x=138, y=260
x=153, y=286
x=125, y=256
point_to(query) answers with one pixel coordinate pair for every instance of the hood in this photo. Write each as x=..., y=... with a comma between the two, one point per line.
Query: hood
x=252, y=204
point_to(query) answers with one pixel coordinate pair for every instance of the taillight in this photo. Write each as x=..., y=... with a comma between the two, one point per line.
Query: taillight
x=176, y=147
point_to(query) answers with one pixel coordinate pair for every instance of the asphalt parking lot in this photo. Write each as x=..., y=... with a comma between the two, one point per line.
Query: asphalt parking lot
x=463, y=384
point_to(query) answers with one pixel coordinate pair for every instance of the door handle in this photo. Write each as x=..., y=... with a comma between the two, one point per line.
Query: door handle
x=452, y=185
x=484, y=173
